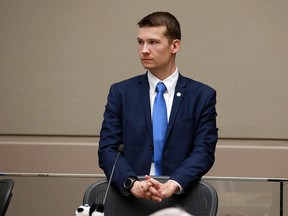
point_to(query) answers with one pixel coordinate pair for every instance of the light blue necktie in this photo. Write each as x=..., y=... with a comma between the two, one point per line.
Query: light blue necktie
x=159, y=126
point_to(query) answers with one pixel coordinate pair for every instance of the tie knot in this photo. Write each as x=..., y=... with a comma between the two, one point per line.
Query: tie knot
x=160, y=87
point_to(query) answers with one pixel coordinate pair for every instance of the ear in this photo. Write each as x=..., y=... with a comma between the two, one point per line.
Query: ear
x=175, y=46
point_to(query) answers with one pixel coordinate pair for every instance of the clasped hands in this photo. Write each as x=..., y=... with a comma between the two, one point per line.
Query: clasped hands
x=154, y=190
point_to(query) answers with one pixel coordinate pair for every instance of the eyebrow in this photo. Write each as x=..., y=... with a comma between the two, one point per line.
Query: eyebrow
x=149, y=39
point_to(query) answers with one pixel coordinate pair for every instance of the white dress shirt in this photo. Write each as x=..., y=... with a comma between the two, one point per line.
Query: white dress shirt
x=170, y=83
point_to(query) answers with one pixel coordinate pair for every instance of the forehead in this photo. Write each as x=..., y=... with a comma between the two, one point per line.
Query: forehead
x=155, y=32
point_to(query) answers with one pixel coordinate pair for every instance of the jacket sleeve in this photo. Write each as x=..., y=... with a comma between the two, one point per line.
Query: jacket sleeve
x=110, y=139
x=201, y=158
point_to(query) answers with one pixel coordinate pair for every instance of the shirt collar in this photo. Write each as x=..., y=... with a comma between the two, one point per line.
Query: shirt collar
x=170, y=82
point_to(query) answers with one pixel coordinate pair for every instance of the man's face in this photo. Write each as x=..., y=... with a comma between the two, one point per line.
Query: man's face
x=155, y=50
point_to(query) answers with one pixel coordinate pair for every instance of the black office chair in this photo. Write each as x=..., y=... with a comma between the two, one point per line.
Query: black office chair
x=6, y=187
x=201, y=201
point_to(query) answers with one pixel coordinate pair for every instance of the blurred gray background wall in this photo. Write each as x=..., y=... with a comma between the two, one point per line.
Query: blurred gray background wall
x=58, y=59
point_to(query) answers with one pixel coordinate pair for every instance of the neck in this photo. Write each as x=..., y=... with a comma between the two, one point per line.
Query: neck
x=162, y=74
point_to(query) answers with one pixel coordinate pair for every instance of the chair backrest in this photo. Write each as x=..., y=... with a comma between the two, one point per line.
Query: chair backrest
x=6, y=186
x=202, y=200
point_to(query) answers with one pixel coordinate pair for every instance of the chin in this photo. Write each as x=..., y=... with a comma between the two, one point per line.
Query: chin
x=147, y=66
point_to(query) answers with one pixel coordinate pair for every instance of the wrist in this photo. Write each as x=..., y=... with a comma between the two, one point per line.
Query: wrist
x=128, y=183
x=176, y=188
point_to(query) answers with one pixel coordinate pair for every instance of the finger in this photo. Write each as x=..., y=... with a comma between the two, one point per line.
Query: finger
x=155, y=198
x=155, y=183
x=154, y=191
x=147, y=177
x=145, y=186
x=148, y=194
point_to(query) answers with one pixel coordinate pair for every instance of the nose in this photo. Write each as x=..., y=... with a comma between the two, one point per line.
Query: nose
x=145, y=48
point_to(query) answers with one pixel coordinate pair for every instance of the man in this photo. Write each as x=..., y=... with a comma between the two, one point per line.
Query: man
x=185, y=151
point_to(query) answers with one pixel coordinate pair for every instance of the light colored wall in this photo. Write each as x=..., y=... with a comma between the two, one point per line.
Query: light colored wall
x=58, y=59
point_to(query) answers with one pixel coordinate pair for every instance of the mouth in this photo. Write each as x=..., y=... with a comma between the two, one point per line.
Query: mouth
x=146, y=59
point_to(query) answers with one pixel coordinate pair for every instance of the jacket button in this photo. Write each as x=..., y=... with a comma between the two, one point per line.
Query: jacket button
x=151, y=147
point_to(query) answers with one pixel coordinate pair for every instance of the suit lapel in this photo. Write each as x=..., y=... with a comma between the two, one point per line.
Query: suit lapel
x=178, y=96
x=145, y=99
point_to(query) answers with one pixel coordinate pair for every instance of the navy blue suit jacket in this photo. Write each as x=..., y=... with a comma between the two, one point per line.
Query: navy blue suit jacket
x=191, y=133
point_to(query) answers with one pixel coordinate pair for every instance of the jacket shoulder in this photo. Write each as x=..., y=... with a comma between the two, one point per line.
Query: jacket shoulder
x=131, y=81
x=191, y=83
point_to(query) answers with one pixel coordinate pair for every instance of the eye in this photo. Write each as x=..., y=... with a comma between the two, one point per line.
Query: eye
x=140, y=42
x=153, y=42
